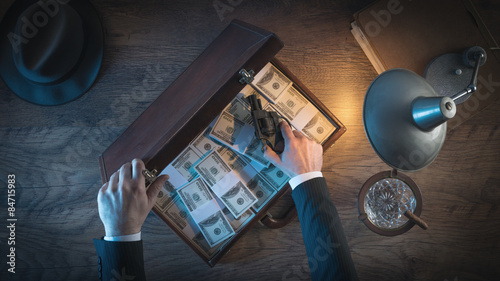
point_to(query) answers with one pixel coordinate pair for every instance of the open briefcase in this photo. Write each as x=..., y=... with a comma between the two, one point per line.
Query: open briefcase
x=174, y=134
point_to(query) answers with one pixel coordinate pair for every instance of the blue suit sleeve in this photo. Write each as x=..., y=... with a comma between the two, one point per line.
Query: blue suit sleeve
x=120, y=260
x=326, y=245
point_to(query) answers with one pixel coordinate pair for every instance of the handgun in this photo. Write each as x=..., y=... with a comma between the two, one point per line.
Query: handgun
x=266, y=124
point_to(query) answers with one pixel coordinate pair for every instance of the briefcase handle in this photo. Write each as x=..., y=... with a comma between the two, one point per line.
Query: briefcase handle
x=289, y=216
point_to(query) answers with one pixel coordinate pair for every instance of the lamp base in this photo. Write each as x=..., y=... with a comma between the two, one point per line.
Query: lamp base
x=448, y=75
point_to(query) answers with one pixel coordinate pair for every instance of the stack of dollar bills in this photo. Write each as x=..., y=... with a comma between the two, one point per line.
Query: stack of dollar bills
x=222, y=179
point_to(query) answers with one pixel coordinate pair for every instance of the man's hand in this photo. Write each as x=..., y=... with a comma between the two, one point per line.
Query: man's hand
x=123, y=201
x=300, y=155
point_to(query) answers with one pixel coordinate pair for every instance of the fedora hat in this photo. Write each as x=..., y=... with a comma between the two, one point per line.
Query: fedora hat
x=50, y=50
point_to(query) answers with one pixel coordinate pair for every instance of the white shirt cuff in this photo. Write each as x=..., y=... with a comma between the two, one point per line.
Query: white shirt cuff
x=295, y=181
x=124, y=238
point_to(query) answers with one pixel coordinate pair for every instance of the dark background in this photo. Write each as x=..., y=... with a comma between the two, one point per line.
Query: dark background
x=53, y=152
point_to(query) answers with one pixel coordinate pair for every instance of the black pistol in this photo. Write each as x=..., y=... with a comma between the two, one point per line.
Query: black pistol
x=266, y=124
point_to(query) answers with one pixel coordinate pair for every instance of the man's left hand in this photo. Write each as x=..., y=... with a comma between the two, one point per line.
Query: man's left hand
x=124, y=202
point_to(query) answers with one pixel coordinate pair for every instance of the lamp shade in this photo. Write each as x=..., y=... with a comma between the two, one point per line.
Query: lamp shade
x=404, y=119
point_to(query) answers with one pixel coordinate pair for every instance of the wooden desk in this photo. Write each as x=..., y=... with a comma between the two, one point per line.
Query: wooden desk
x=53, y=153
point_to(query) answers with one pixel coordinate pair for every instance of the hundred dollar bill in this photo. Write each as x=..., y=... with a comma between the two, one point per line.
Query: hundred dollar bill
x=238, y=223
x=216, y=228
x=179, y=215
x=254, y=151
x=234, y=160
x=166, y=195
x=240, y=110
x=194, y=194
x=276, y=177
x=262, y=190
x=271, y=82
x=318, y=128
x=227, y=128
x=238, y=199
x=241, y=140
x=203, y=144
x=212, y=168
x=247, y=91
x=291, y=103
x=185, y=161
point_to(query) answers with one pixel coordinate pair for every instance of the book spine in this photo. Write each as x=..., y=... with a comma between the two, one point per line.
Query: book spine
x=364, y=43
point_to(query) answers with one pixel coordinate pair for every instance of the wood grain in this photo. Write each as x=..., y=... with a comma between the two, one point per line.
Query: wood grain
x=53, y=152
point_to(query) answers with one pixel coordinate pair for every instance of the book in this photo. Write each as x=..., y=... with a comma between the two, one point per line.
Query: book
x=410, y=34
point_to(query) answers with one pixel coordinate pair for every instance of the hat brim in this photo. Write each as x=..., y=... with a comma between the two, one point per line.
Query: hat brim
x=79, y=80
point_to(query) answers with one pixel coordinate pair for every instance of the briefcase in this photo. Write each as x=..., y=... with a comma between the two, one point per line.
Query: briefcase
x=185, y=110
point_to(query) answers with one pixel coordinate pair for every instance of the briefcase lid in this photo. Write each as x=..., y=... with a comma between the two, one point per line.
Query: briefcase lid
x=193, y=100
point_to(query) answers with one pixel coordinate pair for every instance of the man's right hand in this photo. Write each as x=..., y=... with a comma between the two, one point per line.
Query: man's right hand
x=301, y=154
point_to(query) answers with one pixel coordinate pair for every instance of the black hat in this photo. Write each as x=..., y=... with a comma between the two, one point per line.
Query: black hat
x=50, y=50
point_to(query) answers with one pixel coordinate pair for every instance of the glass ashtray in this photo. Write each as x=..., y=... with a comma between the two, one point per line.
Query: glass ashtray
x=386, y=200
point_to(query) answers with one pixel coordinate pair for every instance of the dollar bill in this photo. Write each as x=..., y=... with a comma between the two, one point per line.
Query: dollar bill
x=166, y=195
x=276, y=177
x=240, y=110
x=291, y=103
x=234, y=160
x=246, y=143
x=194, y=194
x=238, y=223
x=212, y=168
x=227, y=128
x=216, y=228
x=318, y=128
x=203, y=144
x=272, y=82
x=247, y=91
x=184, y=162
x=254, y=151
x=262, y=190
x=238, y=199
x=179, y=215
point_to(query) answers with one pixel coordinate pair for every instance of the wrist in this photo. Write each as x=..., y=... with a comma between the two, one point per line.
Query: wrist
x=115, y=231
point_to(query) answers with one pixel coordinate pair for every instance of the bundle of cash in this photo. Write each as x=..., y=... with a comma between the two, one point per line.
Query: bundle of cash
x=203, y=144
x=236, y=223
x=262, y=190
x=228, y=184
x=238, y=135
x=290, y=103
x=184, y=162
x=205, y=211
x=271, y=82
x=175, y=210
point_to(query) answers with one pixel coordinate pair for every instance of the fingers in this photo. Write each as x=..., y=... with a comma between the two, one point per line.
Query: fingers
x=286, y=131
x=101, y=192
x=113, y=182
x=155, y=188
x=272, y=156
x=125, y=172
x=298, y=134
x=137, y=168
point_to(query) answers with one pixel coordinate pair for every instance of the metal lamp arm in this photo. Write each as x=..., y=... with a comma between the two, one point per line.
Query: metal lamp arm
x=473, y=83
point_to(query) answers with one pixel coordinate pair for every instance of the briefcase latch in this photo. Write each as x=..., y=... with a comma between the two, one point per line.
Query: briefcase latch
x=150, y=176
x=246, y=76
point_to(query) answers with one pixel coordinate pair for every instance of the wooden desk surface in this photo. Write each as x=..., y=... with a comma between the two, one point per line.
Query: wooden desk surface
x=53, y=153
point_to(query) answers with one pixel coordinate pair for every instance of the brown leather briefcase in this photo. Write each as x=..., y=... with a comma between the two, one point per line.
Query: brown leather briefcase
x=187, y=107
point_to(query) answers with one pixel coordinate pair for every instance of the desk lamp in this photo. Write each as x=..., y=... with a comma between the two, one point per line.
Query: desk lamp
x=405, y=121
